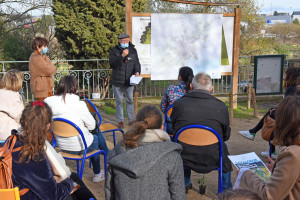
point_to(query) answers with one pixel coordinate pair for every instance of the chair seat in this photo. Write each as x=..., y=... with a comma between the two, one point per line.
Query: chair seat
x=74, y=156
x=107, y=126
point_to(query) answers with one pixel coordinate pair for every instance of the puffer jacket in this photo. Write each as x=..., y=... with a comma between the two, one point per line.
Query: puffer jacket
x=123, y=68
x=153, y=170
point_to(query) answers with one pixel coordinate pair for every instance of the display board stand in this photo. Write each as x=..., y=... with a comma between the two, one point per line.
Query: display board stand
x=236, y=37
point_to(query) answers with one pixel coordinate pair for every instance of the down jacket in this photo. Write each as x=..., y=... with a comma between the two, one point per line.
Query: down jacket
x=153, y=170
x=123, y=68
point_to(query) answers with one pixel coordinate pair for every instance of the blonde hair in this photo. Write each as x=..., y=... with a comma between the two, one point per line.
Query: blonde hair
x=12, y=80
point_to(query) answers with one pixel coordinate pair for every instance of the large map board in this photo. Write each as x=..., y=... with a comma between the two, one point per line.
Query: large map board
x=141, y=37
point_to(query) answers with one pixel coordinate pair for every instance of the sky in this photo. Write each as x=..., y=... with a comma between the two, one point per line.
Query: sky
x=269, y=6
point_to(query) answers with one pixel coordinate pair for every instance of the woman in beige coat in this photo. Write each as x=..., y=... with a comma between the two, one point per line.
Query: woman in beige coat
x=11, y=104
x=284, y=182
x=41, y=70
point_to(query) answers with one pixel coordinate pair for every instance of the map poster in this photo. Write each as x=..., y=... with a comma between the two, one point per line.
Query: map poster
x=192, y=40
x=141, y=38
x=252, y=162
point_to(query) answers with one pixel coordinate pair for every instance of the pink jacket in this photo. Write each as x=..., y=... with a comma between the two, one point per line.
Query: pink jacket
x=11, y=107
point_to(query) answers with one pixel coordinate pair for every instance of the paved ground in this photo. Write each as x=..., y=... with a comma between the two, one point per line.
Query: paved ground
x=237, y=145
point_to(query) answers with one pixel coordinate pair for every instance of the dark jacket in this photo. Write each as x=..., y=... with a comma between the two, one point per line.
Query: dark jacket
x=199, y=107
x=153, y=170
x=38, y=177
x=123, y=68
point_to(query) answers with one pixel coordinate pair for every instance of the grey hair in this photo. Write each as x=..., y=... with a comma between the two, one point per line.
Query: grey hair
x=202, y=81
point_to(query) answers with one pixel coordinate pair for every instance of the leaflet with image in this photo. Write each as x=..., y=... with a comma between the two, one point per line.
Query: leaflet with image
x=253, y=162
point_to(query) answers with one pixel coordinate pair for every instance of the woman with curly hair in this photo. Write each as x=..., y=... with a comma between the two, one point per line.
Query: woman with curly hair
x=31, y=168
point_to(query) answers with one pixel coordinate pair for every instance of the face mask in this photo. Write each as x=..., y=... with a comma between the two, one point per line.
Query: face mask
x=124, y=45
x=44, y=51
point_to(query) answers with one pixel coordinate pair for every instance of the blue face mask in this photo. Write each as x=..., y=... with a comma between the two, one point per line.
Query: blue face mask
x=44, y=51
x=124, y=45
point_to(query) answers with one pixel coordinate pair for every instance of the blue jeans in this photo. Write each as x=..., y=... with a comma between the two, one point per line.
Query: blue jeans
x=226, y=179
x=98, y=143
x=118, y=92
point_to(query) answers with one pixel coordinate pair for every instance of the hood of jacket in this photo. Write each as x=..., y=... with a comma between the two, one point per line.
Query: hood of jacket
x=59, y=106
x=153, y=146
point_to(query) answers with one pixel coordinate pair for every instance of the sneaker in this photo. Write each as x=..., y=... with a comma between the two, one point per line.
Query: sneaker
x=247, y=134
x=99, y=177
x=266, y=154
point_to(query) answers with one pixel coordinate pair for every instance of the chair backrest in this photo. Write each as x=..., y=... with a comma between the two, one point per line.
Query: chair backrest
x=168, y=113
x=65, y=128
x=198, y=135
x=11, y=194
x=93, y=108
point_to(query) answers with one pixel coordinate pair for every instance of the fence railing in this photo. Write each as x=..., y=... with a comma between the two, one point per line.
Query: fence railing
x=95, y=83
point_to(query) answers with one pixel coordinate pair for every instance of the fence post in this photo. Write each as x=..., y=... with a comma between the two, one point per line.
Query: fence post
x=231, y=108
x=254, y=102
x=249, y=96
x=136, y=95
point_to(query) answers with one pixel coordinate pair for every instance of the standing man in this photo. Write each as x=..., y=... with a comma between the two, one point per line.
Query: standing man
x=124, y=61
x=201, y=108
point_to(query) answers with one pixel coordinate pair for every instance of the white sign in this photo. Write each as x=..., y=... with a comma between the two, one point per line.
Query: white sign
x=192, y=40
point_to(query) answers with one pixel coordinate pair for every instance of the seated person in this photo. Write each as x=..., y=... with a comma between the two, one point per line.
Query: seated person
x=11, y=104
x=174, y=92
x=146, y=164
x=31, y=168
x=291, y=80
x=284, y=182
x=66, y=104
x=200, y=107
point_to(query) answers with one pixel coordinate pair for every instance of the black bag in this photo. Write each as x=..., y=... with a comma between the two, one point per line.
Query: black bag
x=96, y=130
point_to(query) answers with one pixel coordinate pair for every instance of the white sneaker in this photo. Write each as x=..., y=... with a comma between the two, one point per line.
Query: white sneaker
x=99, y=177
x=247, y=134
x=266, y=154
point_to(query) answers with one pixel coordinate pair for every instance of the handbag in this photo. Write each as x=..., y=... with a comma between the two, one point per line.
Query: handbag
x=268, y=128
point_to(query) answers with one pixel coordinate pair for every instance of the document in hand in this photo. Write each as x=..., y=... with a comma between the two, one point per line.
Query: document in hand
x=252, y=162
x=134, y=80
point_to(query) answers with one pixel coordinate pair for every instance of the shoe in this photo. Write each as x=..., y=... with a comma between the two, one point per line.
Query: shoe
x=99, y=177
x=121, y=125
x=266, y=154
x=247, y=134
x=190, y=186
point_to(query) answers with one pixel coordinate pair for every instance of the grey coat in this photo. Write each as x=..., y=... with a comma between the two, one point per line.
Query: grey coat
x=153, y=170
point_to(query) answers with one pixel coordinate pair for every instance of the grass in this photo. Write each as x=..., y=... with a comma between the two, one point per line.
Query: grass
x=263, y=105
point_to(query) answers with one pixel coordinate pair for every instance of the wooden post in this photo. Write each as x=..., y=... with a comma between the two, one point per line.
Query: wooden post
x=235, y=57
x=128, y=18
x=231, y=109
x=136, y=96
x=254, y=102
x=249, y=96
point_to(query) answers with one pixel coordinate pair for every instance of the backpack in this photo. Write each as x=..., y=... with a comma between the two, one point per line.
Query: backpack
x=6, y=164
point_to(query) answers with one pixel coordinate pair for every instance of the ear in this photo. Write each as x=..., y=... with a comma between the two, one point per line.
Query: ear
x=48, y=126
x=191, y=86
x=211, y=88
x=162, y=127
x=179, y=78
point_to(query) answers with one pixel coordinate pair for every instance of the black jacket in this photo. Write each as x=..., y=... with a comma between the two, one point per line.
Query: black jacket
x=199, y=107
x=123, y=68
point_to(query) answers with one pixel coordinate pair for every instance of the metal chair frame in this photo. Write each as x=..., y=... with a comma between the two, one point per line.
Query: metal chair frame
x=79, y=169
x=100, y=122
x=166, y=116
x=220, y=168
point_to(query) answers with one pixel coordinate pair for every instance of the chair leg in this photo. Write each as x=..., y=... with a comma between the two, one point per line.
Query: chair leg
x=82, y=167
x=114, y=135
x=105, y=162
x=77, y=163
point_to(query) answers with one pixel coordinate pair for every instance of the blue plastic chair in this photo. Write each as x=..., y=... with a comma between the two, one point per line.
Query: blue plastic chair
x=2, y=141
x=210, y=139
x=65, y=128
x=106, y=126
x=168, y=112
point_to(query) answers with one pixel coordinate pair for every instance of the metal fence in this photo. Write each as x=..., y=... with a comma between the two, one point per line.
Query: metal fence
x=95, y=83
